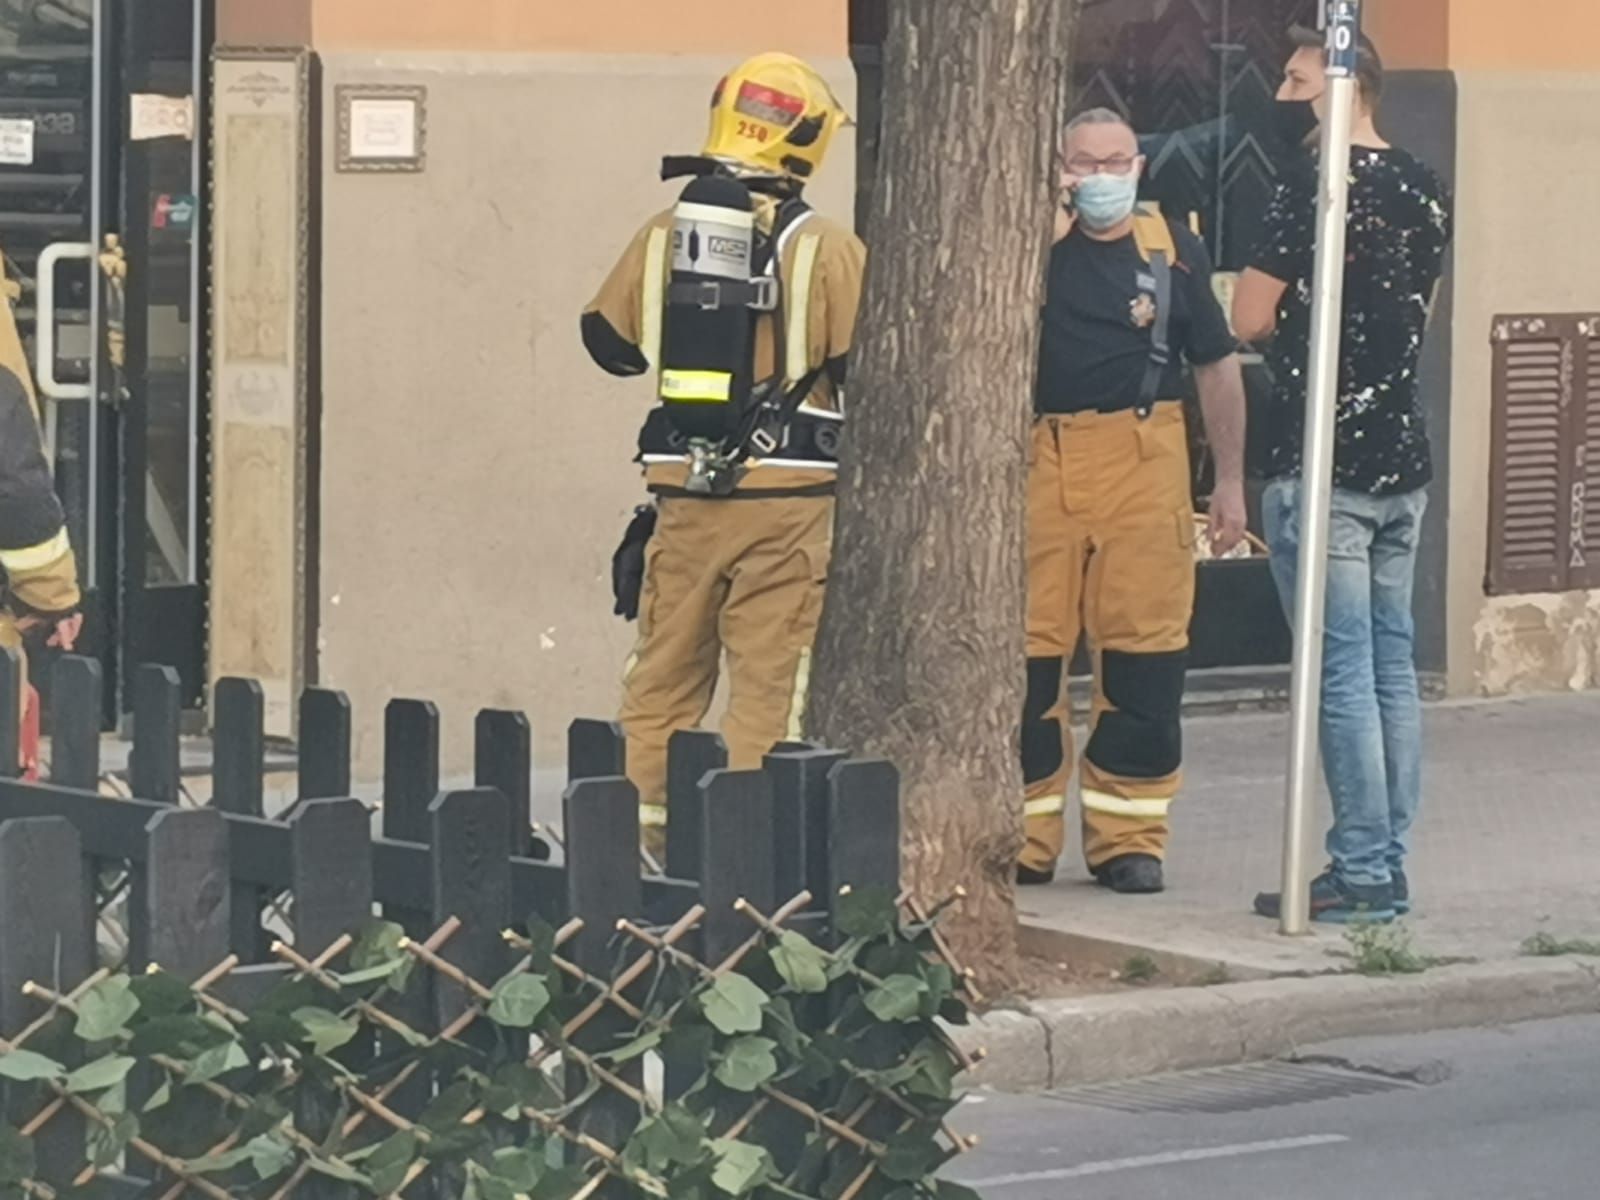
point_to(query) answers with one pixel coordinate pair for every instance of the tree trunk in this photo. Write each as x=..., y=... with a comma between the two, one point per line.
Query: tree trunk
x=921, y=656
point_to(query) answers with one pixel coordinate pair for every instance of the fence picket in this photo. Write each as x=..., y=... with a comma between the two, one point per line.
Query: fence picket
x=410, y=768
x=46, y=935
x=178, y=912
x=153, y=766
x=692, y=754
x=324, y=744
x=503, y=759
x=331, y=852
x=75, y=723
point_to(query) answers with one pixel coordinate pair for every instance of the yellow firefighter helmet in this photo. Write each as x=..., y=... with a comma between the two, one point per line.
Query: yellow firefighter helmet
x=773, y=115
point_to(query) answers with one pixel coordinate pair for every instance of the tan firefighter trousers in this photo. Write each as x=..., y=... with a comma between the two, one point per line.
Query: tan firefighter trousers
x=743, y=576
x=1110, y=554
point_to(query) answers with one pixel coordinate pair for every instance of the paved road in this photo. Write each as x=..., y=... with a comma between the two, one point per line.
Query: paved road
x=1506, y=1114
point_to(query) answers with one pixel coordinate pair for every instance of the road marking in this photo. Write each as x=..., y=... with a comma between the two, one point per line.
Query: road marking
x=1172, y=1157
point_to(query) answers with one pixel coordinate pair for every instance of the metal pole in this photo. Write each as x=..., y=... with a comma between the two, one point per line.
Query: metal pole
x=1343, y=18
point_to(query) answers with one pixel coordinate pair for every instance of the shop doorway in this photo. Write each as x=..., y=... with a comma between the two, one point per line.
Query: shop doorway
x=101, y=179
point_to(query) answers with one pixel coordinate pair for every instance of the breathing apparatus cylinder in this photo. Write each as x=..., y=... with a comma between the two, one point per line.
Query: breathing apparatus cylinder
x=713, y=300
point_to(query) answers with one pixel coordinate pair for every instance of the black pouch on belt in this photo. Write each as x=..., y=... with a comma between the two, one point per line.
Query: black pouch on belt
x=627, y=564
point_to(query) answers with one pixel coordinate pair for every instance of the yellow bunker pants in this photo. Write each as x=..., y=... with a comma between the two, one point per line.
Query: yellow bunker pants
x=1111, y=554
x=741, y=575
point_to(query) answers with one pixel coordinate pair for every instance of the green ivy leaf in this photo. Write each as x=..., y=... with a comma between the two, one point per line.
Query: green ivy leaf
x=160, y=1098
x=102, y=1073
x=16, y=1156
x=897, y=998
x=379, y=946
x=518, y=1000
x=867, y=912
x=325, y=1031
x=561, y=1183
x=218, y=1060
x=446, y=1109
x=674, y=1135
x=177, y=1035
x=212, y=1164
x=801, y=964
x=335, y=1168
x=161, y=995
x=741, y=1167
x=518, y=1169
x=733, y=1004
x=105, y=1009
x=542, y=948
x=270, y=1154
x=371, y=974
x=910, y=1157
x=25, y=1066
x=747, y=1063
x=639, y=1045
x=107, y=1142
x=525, y=1087
x=388, y=1164
x=114, y=1102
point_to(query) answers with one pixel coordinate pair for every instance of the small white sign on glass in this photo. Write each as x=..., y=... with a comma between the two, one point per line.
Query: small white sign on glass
x=16, y=142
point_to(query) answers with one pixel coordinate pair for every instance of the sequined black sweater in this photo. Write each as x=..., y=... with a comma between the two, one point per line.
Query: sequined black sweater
x=1399, y=229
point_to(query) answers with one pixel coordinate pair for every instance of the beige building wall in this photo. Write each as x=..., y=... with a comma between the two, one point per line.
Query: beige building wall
x=476, y=467
x=1515, y=253
x=1529, y=92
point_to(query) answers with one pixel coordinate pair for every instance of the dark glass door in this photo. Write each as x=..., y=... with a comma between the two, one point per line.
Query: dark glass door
x=99, y=225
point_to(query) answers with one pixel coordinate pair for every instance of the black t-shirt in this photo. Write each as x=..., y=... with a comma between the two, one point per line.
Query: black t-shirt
x=1095, y=342
x=1399, y=227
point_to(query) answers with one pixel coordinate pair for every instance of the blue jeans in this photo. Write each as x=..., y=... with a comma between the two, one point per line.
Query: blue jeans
x=1371, y=726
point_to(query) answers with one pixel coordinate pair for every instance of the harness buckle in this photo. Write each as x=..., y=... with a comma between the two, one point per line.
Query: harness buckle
x=764, y=293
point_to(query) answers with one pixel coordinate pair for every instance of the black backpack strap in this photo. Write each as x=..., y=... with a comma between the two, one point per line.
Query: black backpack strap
x=1160, y=349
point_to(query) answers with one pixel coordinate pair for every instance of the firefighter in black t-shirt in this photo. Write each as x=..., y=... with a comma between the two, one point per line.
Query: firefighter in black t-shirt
x=1111, y=528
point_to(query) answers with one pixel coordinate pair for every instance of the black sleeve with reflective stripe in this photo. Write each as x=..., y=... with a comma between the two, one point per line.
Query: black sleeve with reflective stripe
x=609, y=349
x=30, y=512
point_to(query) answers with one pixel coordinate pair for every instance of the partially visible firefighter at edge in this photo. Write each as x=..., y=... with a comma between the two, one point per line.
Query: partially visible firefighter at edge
x=38, y=573
x=741, y=301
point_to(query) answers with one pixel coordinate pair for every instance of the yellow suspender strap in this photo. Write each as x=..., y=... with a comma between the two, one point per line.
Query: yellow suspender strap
x=653, y=296
x=1152, y=233
x=797, y=337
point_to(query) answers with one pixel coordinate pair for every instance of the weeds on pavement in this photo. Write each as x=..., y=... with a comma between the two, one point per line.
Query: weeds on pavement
x=1547, y=945
x=1386, y=950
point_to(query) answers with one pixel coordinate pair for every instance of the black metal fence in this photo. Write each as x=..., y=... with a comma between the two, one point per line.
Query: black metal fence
x=204, y=882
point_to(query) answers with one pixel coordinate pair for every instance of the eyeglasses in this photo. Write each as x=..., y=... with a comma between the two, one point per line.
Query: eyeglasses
x=1120, y=164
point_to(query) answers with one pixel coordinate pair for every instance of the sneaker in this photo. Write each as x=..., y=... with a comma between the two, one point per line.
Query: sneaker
x=1336, y=902
x=1028, y=877
x=1402, y=890
x=1131, y=874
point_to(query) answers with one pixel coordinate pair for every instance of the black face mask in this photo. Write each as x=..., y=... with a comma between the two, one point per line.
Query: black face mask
x=1294, y=123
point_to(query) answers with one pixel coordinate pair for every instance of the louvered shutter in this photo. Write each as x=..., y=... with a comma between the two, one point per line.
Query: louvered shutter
x=1544, y=508
x=1586, y=498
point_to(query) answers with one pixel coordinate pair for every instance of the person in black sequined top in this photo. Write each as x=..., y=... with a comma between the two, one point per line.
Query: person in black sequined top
x=1371, y=720
x=1399, y=227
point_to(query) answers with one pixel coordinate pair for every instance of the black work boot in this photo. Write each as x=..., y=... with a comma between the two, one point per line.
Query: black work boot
x=1028, y=877
x=1131, y=874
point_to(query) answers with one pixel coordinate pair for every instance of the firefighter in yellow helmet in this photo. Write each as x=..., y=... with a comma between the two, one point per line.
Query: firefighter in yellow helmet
x=38, y=573
x=741, y=302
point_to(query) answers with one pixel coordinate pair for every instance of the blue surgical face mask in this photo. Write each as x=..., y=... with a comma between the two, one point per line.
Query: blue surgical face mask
x=1105, y=201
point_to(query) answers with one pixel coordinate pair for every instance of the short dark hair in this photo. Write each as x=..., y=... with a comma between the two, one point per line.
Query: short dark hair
x=1369, y=63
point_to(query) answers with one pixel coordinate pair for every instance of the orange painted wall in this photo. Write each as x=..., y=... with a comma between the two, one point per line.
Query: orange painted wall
x=1412, y=35
x=1542, y=35
x=586, y=26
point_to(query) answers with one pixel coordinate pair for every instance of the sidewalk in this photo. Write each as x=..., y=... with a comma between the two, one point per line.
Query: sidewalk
x=1508, y=843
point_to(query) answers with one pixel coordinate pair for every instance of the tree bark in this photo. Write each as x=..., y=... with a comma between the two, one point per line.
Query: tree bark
x=921, y=655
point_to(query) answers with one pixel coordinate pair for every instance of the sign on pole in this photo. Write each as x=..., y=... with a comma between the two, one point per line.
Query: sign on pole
x=1341, y=20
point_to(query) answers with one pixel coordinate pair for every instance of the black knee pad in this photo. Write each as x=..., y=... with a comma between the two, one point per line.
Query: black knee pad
x=1142, y=736
x=1042, y=752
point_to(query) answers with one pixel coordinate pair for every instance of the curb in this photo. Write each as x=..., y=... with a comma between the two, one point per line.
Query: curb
x=1105, y=1039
